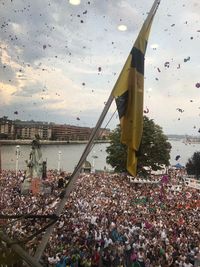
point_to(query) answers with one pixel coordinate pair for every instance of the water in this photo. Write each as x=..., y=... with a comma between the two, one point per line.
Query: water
x=186, y=151
x=70, y=155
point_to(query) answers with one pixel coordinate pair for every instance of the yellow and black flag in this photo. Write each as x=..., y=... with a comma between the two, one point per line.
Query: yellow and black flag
x=128, y=92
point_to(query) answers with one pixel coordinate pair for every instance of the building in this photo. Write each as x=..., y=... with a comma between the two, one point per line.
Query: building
x=28, y=130
x=65, y=132
x=18, y=129
x=6, y=128
x=104, y=134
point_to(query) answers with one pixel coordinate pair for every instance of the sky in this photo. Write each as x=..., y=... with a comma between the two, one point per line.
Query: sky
x=59, y=60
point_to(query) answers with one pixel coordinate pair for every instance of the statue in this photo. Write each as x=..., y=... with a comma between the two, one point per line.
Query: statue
x=35, y=162
x=34, y=170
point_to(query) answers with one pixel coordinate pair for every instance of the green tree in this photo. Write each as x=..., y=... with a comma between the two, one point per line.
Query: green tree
x=193, y=165
x=154, y=151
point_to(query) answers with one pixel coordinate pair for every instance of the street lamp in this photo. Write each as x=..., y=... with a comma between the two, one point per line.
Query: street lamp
x=93, y=161
x=59, y=160
x=17, y=159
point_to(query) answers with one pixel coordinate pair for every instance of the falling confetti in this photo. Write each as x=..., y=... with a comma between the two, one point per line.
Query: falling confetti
x=146, y=111
x=180, y=110
x=186, y=59
x=166, y=64
x=197, y=85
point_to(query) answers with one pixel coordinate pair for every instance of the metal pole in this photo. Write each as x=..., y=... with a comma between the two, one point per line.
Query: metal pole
x=59, y=160
x=20, y=251
x=93, y=162
x=87, y=150
x=17, y=159
x=73, y=178
x=0, y=159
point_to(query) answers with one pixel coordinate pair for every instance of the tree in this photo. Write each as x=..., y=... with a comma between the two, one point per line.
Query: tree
x=193, y=165
x=154, y=151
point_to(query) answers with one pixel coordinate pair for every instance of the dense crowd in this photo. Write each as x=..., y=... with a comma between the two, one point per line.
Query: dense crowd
x=109, y=221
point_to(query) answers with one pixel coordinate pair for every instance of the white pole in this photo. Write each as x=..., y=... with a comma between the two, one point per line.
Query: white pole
x=59, y=160
x=93, y=161
x=17, y=159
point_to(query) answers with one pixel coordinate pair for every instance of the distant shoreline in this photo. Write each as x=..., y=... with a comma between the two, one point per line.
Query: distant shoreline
x=49, y=142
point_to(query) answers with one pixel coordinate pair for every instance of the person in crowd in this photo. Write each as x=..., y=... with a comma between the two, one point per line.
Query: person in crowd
x=108, y=220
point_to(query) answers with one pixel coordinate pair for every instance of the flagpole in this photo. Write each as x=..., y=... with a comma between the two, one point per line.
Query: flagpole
x=73, y=179
x=19, y=250
x=87, y=150
x=153, y=9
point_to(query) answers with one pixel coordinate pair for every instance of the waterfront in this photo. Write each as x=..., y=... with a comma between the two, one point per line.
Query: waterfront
x=70, y=154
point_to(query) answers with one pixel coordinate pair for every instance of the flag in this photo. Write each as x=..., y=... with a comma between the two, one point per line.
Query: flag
x=128, y=92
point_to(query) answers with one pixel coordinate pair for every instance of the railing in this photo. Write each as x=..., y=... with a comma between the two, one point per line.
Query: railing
x=142, y=181
x=194, y=183
x=190, y=182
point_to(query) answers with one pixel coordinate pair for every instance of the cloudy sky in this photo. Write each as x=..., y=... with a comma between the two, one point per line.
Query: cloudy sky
x=59, y=60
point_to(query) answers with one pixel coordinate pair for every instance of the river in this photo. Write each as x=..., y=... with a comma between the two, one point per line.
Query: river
x=71, y=153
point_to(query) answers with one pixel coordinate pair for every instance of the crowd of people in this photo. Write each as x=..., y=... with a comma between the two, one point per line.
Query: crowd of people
x=108, y=220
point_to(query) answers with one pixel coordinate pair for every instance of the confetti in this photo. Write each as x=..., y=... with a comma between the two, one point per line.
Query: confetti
x=180, y=110
x=146, y=111
x=197, y=85
x=186, y=59
x=166, y=64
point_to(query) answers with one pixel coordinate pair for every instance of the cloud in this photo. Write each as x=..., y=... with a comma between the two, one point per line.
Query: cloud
x=29, y=90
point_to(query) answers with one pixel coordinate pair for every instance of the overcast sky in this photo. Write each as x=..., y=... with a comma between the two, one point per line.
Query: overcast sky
x=59, y=61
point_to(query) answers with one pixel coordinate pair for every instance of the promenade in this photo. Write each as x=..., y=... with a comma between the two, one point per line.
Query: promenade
x=49, y=142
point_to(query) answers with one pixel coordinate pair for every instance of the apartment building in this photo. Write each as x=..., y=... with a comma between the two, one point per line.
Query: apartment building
x=47, y=131
x=28, y=130
x=65, y=132
x=7, y=129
